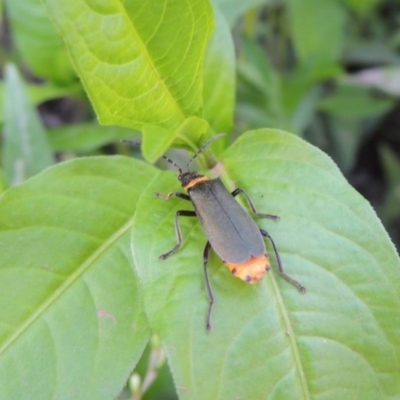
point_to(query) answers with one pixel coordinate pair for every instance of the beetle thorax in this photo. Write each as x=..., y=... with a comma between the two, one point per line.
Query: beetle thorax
x=188, y=177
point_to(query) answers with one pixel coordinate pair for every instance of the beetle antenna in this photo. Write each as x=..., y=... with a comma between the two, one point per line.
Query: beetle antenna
x=202, y=148
x=165, y=157
x=173, y=163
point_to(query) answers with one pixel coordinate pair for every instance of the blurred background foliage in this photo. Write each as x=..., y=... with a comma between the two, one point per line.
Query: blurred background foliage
x=328, y=71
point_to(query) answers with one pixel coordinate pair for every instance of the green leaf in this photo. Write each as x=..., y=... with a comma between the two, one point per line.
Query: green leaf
x=71, y=319
x=26, y=150
x=362, y=6
x=49, y=91
x=348, y=107
x=367, y=52
x=354, y=102
x=42, y=92
x=153, y=361
x=345, y=140
x=339, y=340
x=219, y=78
x=38, y=41
x=192, y=130
x=383, y=79
x=140, y=62
x=3, y=181
x=233, y=9
x=305, y=110
x=318, y=32
x=389, y=210
x=259, y=88
x=86, y=137
x=156, y=140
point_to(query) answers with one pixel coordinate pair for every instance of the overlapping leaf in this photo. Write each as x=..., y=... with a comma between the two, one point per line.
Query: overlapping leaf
x=71, y=319
x=339, y=340
x=140, y=62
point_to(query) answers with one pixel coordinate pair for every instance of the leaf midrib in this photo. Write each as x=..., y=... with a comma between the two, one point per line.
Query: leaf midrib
x=281, y=304
x=149, y=59
x=291, y=335
x=65, y=286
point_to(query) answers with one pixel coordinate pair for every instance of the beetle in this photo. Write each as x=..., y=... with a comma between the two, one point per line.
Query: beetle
x=231, y=232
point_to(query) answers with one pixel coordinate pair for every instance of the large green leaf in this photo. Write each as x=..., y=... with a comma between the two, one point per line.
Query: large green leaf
x=340, y=340
x=37, y=40
x=141, y=62
x=26, y=150
x=71, y=319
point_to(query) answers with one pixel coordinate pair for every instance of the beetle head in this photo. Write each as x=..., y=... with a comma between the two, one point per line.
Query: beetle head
x=186, y=177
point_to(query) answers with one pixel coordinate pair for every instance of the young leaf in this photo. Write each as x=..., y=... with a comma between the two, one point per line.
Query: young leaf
x=71, y=319
x=339, y=340
x=157, y=140
x=26, y=150
x=147, y=57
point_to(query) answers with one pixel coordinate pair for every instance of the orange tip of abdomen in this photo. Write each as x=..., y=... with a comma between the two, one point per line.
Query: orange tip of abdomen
x=252, y=270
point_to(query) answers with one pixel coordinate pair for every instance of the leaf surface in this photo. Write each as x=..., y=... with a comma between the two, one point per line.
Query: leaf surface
x=71, y=318
x=339, y=340
x=140, y=62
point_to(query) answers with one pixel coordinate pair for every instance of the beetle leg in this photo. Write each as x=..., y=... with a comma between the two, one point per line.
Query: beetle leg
x=183, y=213
x=172, y=194
x=299, y=286
x=252, y=206
x=206, y=255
